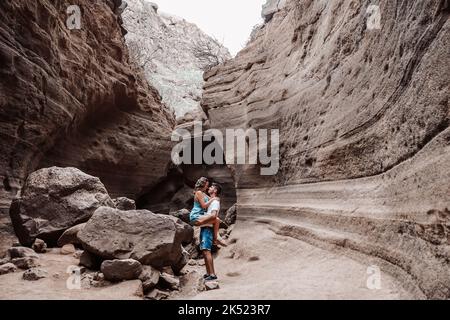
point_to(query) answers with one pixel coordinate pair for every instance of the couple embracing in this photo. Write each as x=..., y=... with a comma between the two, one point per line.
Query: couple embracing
x=205, y=214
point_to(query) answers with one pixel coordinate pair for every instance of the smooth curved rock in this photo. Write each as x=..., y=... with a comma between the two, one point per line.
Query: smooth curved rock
x=363, y=115
x=53, y=200
x=137, y=234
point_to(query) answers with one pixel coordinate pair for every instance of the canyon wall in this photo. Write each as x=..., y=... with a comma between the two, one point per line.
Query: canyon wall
x=363, y=114
x=72, y=98
x=169, y=49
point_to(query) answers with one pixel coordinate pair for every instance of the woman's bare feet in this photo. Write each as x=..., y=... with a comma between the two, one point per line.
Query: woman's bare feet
x=219, y=241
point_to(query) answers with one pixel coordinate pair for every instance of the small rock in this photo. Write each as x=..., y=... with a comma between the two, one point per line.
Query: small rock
x=117, y=270
x=70, y=236
x=7, y=268
x=39, y=246
x=124, y=204
x=34, y=274
x=89, y=260
x=25, y=262
x=98, y=276
x=149, y=277
x=157, y=295
x=212, y=285
x=68, y=249
x=3, y=261
x=169, y=281
x=21, y=252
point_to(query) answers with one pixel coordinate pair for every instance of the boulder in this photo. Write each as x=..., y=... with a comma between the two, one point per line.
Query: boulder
x=118, y=270
x=7, y=268
x=169, y=281
x=149, y=277
x=184, y=198
x=70, y=235
x=34, y=274
x=68, y=249
x=53, y=200
x=182, y=214
x=39, y=246
x=185, y=257
x=25, y=262
x=150, y=238
x=22, y=252
x=231, y=215
x=125, y=204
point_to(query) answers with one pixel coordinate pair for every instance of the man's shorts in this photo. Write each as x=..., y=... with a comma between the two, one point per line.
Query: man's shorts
x=206, y=238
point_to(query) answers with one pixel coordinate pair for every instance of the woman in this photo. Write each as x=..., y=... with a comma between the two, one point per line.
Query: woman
x=201, y=204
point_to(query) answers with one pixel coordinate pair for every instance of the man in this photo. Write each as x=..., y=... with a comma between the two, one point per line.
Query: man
x=209, y=233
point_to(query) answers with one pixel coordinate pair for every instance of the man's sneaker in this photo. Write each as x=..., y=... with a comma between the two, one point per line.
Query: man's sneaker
x=211, y=278
x=205, y=276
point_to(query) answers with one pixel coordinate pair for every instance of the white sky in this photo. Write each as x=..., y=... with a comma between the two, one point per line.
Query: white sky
x=229, y=21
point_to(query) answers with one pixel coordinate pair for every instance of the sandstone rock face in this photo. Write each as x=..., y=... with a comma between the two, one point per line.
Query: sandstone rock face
x=141, y=235
x=71, y=98
x=168, y=57
x=53, y=200
x=364, y=121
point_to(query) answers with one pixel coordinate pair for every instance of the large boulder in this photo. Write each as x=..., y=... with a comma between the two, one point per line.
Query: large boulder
x=150, y=238
x=53, y=200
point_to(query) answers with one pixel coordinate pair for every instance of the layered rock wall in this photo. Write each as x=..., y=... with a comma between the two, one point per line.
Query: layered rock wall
x=363, y=114
x=72, y=98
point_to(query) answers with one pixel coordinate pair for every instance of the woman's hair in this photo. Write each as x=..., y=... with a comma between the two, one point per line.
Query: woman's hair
x=201, y=183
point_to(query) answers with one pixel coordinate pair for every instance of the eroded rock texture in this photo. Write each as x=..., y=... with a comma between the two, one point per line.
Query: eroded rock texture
x=71, y=98
x=364, y=131
x=165, y=46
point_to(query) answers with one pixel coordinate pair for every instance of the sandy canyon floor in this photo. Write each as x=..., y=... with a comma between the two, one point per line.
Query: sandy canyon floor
x=257, y=264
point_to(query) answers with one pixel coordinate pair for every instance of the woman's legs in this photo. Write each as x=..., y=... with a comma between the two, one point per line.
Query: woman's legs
x=215, y=221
